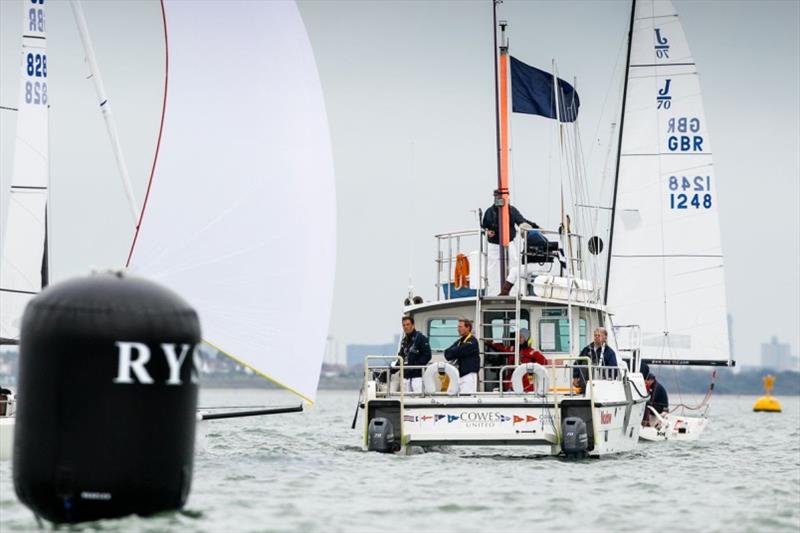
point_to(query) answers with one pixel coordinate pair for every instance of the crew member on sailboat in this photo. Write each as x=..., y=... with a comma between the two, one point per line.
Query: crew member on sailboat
x=599, y=353
x=659, y=400
x=465, y=354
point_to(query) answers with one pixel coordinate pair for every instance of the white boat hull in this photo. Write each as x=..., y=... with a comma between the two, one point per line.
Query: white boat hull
x=675, y=427
x=511, y=419
x=6, y=437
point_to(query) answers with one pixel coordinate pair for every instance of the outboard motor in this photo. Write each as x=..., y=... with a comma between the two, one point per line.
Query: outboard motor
x=380, y=436
x=575, y=438
x=105, y=425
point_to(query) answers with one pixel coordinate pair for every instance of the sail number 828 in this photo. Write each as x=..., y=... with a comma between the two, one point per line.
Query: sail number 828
x=696, y=192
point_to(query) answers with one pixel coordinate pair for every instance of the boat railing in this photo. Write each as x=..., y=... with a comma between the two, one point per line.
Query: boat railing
x=472, y=245
x=560, y=256
x=629, y=343
x=7, y=406
x=560, y=377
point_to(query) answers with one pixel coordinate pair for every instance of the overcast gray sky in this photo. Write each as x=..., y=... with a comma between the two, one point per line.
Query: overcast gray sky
x=409, y=92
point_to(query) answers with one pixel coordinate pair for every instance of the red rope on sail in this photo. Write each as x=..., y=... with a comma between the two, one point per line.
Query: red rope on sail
x=160, y=132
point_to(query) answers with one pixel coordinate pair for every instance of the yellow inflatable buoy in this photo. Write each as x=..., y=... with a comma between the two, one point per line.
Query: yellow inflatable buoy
x=767, y=403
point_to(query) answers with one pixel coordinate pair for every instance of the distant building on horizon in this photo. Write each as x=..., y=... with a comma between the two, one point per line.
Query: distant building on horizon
x=357, y=352
x=777, y=356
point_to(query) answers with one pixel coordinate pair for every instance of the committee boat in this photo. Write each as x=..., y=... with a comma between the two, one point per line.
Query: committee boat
x=558, y=296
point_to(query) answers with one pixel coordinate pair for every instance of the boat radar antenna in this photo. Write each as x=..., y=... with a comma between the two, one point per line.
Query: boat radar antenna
x=501, y=194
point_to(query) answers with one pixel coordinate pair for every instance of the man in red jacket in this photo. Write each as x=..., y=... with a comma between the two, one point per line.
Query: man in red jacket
x=527, y=354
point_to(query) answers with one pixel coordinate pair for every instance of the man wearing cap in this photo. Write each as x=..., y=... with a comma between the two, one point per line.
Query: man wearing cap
x=599, y=354
x=466, y=355
x=659, y=400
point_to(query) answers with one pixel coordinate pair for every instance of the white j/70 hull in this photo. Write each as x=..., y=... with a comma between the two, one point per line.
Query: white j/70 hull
x=674, y=427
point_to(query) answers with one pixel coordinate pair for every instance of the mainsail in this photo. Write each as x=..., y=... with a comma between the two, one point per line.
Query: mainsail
x=666, y=266
x=240, y=211
x=23, y=265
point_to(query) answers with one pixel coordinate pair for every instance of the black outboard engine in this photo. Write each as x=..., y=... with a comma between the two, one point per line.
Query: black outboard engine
x=380, y=436
x=106, y=419
x=538, y=249
x=575, y=438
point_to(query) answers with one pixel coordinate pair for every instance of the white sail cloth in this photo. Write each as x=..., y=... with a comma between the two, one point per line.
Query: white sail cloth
x=667, y=271
x=240, y=217
x=23, y=263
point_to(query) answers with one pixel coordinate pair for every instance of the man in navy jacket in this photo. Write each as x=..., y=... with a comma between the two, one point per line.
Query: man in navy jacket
x=415, y=351
x=599, y=353
x=466, y=354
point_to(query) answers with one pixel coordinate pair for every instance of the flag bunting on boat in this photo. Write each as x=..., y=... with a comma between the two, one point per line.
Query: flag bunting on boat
x=532, y=93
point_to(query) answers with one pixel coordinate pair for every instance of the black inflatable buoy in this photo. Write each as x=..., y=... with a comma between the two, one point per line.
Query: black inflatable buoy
x=107, y=399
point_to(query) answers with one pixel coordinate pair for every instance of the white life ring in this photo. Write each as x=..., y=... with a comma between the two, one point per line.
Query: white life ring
x=438, y=375
x=541, y=383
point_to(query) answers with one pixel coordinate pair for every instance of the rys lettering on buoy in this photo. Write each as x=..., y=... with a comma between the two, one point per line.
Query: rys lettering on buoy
x=133, y=358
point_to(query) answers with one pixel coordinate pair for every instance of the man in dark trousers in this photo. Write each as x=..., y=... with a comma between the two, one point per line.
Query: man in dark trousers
x=599, y=353
x=415, y=351
x=466, y=355
x=659, y=400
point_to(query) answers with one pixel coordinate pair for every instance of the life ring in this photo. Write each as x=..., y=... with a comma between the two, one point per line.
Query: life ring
x=440, y=377
x=461, y=274
x=539, y=385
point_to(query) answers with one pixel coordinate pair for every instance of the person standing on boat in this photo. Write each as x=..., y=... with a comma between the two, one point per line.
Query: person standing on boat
x=466, y=355
x=415, y=351
x=491, y=223
x=659, y=400
x=527, y=354
x=599, y=353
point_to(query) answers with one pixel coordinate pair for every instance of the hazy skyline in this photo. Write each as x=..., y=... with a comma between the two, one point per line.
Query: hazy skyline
x=409, y=94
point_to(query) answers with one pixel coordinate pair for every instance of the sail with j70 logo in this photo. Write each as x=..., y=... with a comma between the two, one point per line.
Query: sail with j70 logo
x=666, y=270
x=239, y=216
x=24, y=264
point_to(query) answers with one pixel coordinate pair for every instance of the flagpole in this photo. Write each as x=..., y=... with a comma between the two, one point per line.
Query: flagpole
x=501, y=198
x=501, y=193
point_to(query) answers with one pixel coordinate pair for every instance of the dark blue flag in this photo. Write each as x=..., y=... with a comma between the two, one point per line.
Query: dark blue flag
x=532, y=93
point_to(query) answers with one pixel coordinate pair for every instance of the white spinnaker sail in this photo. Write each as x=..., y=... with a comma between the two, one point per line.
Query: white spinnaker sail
x=23, y=265
x=240, y=215
x=667, y=270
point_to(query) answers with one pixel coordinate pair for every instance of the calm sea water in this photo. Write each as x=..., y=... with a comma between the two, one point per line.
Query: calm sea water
x=306, y=472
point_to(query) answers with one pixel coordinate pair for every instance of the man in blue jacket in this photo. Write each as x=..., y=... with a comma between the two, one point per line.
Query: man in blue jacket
x=659, y=400
x=415, y=351
x=466, y=355
x=600, y=354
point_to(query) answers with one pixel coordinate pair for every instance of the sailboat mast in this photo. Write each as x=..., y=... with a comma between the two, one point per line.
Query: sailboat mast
x=105, y=107
x=619, y=149
x=501, y=200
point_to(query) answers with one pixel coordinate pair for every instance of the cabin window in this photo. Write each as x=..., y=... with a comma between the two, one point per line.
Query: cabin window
x=554, y=334
x=442, y=332
x=501, y=326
